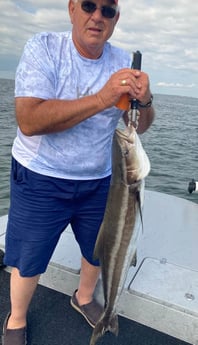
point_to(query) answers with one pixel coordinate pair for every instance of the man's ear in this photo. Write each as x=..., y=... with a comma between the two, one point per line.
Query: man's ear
x=117, y=16
x=71, y=7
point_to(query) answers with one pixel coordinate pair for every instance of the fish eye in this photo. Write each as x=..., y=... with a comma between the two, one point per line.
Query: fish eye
x=126, y=152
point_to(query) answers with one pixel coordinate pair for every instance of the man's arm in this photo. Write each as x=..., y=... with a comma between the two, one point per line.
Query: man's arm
x=146, y=118
x=36, y=116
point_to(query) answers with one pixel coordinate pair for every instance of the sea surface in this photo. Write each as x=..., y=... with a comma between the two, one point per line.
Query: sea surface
x=171, y=144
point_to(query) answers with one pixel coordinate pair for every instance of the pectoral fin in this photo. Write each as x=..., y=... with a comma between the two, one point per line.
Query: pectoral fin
x=134, y=259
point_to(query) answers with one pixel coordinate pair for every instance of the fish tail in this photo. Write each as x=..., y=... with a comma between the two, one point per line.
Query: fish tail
x=104, y=326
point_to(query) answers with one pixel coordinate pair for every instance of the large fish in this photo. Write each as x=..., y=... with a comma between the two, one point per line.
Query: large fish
x=117, y=239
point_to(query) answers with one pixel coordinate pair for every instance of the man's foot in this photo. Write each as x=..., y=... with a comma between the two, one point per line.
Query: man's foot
x=91, y=311
x=13, y=336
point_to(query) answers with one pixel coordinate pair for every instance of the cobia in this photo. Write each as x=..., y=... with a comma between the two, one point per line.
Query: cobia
x=117, y=239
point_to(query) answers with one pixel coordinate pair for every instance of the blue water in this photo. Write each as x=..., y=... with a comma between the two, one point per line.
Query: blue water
x=171, y=144
x=7, y=133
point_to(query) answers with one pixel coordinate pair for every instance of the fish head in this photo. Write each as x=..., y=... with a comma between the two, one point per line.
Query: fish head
x=129, y=159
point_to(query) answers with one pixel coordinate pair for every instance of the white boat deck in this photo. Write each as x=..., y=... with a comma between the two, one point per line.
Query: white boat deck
x=162, y=290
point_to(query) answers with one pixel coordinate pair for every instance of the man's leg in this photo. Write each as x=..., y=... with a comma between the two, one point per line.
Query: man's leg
x=21, y=292
x=82, y=299
x=88, y=279
x=91, y=201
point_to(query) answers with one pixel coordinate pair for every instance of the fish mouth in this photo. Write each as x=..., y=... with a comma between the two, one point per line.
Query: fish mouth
x=137, y=164
x=128, y=134
x=126, y=140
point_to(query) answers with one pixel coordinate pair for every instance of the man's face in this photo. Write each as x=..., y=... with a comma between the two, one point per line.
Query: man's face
x=91, y=30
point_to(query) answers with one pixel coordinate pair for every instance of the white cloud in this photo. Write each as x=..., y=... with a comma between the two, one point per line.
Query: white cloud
x=175, y=85
x=164, y=31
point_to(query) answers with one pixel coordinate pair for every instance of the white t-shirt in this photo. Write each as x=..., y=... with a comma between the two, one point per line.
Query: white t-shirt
x=52, y=68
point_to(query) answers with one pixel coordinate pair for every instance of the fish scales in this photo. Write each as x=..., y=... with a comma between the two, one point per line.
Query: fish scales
x=117, y=239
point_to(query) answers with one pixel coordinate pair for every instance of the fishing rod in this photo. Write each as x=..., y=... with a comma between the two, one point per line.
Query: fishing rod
x=133, y=112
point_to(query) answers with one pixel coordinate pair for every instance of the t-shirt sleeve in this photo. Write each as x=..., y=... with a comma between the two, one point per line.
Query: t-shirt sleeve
x=35, y=74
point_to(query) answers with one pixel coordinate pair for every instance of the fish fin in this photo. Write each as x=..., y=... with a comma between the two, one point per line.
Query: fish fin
x=138, y=196
x=101, y=328
x=134, y=259
x=113, y=327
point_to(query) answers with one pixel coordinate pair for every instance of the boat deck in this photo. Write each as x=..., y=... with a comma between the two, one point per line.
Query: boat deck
x=161, y=292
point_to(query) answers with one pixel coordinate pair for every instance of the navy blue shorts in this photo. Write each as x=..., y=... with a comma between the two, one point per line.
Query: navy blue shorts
x=40, y=209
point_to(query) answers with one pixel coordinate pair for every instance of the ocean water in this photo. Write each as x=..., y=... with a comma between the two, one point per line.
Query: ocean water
x=7, y=134
x=171, y=144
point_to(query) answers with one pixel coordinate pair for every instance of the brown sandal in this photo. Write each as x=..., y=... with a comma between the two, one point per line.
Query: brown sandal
x=13, y=336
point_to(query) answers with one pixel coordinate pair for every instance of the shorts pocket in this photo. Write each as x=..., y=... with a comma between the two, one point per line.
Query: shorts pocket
x=17, y=172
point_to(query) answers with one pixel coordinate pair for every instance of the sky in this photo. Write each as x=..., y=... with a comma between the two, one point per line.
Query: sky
x=165, y=31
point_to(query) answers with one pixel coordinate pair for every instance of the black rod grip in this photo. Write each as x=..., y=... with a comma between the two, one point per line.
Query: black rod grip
x=137, y=60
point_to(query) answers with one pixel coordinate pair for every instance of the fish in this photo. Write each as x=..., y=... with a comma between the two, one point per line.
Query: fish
x=116, y=243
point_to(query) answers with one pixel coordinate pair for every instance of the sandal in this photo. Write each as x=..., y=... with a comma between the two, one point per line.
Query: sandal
x=13, y=336
x=91, y=311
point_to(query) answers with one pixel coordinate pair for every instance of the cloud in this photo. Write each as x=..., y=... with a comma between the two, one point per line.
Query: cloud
x=22, y=19
x=164, y=31
x=175, y=85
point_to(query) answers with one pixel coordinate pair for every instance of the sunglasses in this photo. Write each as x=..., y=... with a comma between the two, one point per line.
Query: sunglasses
x=91, y=7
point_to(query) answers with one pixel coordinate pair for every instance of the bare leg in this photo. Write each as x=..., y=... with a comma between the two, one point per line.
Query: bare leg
x=21, y=292
x=88, y=280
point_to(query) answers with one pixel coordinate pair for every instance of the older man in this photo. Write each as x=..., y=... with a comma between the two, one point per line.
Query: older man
x=67, y=88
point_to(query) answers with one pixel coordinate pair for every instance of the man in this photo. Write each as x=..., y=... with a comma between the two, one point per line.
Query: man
x=67, y=88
